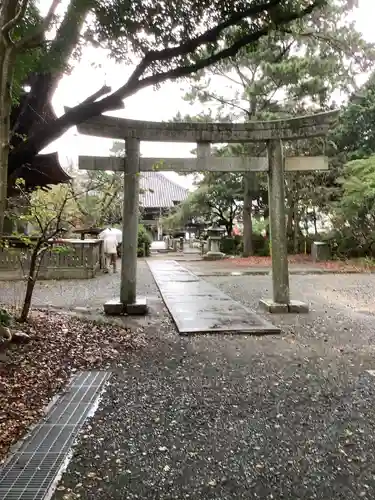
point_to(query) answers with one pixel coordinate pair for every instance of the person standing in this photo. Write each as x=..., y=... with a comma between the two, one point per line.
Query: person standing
x=110, y=249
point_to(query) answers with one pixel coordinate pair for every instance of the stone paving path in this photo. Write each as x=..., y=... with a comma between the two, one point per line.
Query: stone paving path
x=199, y=307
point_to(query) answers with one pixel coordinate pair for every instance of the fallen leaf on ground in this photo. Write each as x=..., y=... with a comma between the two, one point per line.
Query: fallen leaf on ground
x=31, y=374
x=301, y=259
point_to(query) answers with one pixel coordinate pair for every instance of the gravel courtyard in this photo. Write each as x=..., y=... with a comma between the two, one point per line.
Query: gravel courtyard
x=236, y=417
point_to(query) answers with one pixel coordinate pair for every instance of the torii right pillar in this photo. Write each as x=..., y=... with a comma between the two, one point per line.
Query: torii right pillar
x=280, y=302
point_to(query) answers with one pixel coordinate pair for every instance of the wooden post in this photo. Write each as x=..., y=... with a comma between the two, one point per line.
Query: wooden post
x=276, y=189
x=130, y=213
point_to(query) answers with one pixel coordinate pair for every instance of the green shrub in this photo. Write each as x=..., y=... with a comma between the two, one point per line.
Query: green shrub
x=234, y=246
x=229, y=246
x=261, y=245
x=344, y=244
x=5, y=318
x=144, y=242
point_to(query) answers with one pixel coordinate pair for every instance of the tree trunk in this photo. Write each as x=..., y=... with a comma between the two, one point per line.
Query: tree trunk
x=35, y=112
x=291, y=210
x=6, y=56
x=296, y=231
x=249, y=179
x=27, y=300
x=31, y=279
x=315, y=222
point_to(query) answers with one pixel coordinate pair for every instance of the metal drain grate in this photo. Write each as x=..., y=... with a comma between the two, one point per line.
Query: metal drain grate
x=30, y=472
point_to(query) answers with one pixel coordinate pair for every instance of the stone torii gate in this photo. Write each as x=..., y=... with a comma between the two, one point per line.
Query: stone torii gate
x=204, y=134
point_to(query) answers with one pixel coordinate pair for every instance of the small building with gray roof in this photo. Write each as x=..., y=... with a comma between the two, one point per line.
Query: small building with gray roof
x=158, y=195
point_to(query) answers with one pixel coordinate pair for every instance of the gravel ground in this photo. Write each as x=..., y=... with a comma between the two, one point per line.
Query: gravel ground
x=225, y=417
x=298, y=264
x=69, y=294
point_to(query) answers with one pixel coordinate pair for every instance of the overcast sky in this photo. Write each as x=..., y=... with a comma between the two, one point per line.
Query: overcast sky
x=95, y=69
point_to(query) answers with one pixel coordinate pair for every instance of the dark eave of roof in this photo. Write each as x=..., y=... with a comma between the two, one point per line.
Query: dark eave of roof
x=44, y=171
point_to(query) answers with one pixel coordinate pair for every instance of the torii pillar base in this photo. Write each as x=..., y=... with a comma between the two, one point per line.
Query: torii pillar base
x=117, y=308
x=294, y=306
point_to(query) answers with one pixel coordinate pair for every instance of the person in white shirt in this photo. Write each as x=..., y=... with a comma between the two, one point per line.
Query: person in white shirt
x=110, y=249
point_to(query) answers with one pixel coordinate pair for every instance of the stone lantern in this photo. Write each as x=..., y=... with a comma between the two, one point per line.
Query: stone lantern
x=214, y=236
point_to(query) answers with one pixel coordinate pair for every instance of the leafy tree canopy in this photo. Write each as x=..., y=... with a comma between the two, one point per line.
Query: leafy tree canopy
x=216, y=199
x=355, y=135
x=296, y=70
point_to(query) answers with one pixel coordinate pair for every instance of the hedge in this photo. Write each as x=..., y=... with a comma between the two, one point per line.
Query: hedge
x=234, y=246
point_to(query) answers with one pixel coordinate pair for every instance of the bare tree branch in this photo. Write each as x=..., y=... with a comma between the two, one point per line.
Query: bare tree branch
x=333, y=42
x=99, y=93
x=38, y=221
x=133, y=84
x=219, y=72
x=224, y=101
x=211, y=35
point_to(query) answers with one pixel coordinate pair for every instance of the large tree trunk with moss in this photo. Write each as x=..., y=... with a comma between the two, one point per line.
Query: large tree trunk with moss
x=12, y=46
x=7, y=15
x=4, y=152
x=35, y=110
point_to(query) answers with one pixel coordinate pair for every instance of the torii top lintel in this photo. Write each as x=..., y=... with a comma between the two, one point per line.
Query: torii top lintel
x=287, y=129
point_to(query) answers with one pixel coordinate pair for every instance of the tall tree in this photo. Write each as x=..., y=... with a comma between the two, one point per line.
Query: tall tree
x=355, y=134
x=167, y=40
x=99, y=198
x=353, y=214
x=352, y=139
x=216, y=200
x=296, y=70
x=17, y=23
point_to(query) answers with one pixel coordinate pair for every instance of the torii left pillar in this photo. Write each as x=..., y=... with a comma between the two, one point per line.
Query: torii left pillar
x=129, y=302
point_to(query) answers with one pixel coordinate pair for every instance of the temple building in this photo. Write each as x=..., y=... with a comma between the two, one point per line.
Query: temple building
x=157, y=197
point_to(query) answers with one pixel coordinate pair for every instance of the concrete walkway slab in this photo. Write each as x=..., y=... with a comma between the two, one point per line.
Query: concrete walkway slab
x=199, y=307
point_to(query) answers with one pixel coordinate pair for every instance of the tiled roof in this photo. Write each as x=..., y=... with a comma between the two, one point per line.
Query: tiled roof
x=160, y=192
